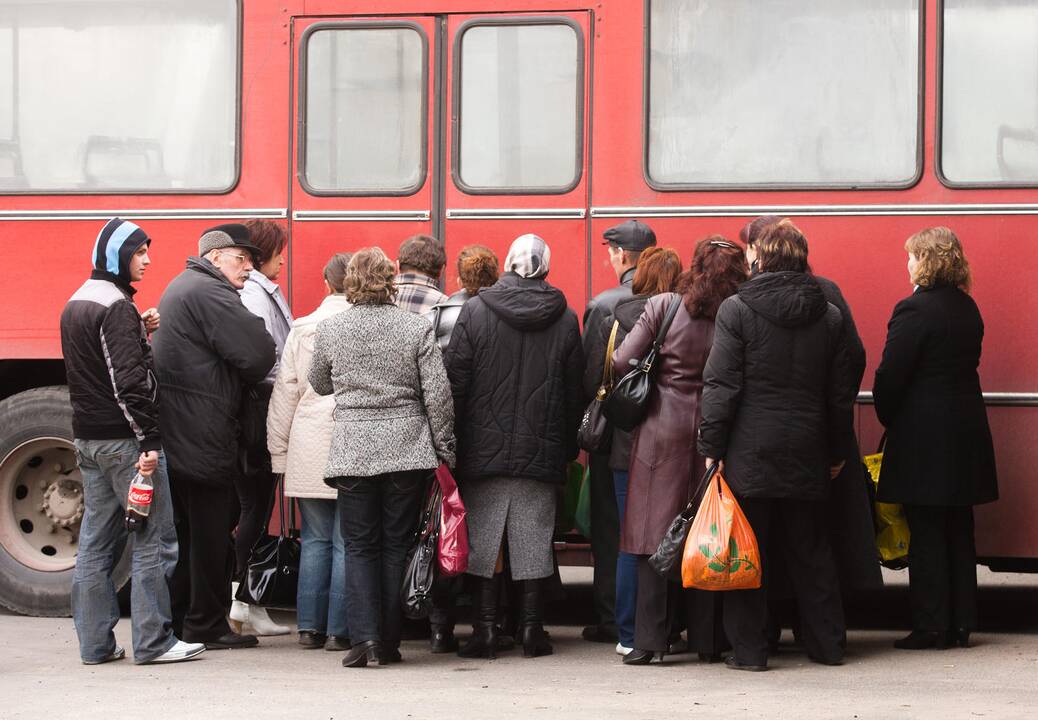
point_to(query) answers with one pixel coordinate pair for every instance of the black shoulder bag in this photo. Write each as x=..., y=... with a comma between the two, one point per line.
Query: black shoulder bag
x=272, y=575
x=420, y=569
x=626, y=406
x=594, y=435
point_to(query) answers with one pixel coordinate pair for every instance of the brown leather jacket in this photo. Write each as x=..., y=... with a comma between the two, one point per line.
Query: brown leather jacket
x=663, y=456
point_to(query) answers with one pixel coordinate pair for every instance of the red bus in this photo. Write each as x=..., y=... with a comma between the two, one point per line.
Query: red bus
x=360, y=123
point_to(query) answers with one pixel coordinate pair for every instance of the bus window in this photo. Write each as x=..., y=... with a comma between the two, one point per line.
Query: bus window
x=365, y=99
x=87, y=86
x=809, y=93
x=519, y=94
x=989, y=95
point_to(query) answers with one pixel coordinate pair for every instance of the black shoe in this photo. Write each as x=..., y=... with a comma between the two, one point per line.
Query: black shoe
x=920, y=640
x=959, y=637
x=600, y=634
x=483, y=641
x=232, y=641
x=531, y=619
x=442, y=640
x=535, y=642
x=710, y=657
x=337, y=643
x=311, y=639
x=507, y=642
x=732, y=664
x=641, y=657
x=825, y=661
x=361, y=653
x=390, y=657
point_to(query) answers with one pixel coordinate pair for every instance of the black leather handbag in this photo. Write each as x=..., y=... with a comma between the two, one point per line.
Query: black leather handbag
x=594, y=433
x=272, y=575
x=626, y=406
x=665, y=559
x=420, y=572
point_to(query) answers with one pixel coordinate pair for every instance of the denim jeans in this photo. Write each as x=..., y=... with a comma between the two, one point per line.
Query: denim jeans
x=107, y=467
x=379, y=515
x=321, y=597
x=626, y=572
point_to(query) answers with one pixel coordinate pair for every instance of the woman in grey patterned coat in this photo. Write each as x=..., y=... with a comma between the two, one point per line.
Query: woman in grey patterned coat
x=394, y=423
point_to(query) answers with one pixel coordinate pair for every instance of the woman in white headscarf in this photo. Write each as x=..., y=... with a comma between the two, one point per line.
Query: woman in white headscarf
x=515, y=366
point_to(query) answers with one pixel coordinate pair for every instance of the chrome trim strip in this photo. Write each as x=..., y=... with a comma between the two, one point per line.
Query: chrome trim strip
x=515, y=213
x=815, y=210
x=360, y=215
x=997, y=399
x=144, y=214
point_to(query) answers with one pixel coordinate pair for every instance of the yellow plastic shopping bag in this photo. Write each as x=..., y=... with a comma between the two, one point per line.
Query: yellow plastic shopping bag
x=892, y=533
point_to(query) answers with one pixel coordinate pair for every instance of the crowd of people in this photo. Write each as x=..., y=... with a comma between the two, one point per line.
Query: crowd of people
x=220, y=397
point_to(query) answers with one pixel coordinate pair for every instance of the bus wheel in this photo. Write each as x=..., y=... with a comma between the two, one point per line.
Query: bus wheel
x=41, y=504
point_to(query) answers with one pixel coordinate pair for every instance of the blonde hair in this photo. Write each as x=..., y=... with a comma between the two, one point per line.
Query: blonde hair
x=370, y=278
x=941, y=260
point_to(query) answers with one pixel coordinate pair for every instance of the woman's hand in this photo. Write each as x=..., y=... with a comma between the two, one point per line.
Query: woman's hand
x=711, y=461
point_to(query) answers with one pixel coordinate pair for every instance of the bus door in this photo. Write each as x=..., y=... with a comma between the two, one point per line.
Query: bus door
x=471, y=128
x=363, y=146
x=516, y=144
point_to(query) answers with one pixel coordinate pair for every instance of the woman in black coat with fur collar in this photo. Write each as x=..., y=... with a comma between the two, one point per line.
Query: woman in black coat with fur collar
x=939, y=460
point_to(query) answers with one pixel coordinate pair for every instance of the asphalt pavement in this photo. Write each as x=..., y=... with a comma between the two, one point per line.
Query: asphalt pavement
x=41, y=677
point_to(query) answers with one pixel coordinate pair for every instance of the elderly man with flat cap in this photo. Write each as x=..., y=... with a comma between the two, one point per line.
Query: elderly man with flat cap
x=207, y=350
x=625, y=243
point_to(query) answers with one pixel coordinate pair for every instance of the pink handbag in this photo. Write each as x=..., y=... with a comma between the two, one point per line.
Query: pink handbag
x=453, y=554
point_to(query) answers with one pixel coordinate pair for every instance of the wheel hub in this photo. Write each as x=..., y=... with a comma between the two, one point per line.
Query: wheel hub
x=63, y=503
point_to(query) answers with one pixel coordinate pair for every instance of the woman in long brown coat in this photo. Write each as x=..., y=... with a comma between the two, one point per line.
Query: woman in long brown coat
x=663, y=456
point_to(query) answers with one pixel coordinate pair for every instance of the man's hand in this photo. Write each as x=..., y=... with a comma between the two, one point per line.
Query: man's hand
x=151, y=319
x=835, y=470
x=711, y=461
x=148, y=462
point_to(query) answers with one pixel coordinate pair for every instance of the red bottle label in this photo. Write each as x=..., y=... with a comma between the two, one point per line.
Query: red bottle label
x=140, y=495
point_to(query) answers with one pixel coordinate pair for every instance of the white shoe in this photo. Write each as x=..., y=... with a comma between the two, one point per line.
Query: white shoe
x=178, y=653
x=117, y=654
x=621, y=650
x=239, y=610
x=259, y=621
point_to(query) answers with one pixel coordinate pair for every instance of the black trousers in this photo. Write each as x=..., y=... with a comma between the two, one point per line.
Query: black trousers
x=205, y=516
x=255, y=483
x=797, y=530
x=659, y=603
x=379, y=515
x=942, y=568
x=605, y=538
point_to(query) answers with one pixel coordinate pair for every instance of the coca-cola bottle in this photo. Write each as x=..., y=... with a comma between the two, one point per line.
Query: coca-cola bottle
x=138, y=502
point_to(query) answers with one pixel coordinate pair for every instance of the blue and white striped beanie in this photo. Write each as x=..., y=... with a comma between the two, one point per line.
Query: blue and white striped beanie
x=116, y=244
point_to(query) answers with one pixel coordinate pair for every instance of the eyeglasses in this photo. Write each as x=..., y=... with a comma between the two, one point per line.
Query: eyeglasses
x=241, y=258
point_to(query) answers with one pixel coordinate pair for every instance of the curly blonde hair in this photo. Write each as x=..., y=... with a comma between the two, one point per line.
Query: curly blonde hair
x=370, y=278
x=941, y=259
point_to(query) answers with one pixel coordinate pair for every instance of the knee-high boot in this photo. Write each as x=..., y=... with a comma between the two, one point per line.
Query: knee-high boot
x=531, y=618
x=483, y=643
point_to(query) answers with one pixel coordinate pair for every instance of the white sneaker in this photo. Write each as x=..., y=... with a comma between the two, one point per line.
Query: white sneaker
x=117, y=654
x=178, y=653
x=260, y=623
x=621, y=650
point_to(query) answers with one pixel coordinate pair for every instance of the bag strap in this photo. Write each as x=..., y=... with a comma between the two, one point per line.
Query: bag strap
x=607, y=367
x=694, y=501
x=650, y=357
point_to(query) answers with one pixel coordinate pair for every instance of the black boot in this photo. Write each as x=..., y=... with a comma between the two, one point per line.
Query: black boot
x=442, y=639
x=531, y=619
x=483, y=643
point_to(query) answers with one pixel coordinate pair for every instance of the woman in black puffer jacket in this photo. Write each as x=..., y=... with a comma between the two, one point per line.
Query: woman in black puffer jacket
x=777, y=409
x=515, y=365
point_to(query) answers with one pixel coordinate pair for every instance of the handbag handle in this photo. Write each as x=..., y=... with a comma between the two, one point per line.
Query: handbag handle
x=607, y=367
x=694, y=501
x=650, y=357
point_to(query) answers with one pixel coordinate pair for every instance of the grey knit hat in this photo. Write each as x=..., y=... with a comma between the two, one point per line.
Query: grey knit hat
x=225, y=236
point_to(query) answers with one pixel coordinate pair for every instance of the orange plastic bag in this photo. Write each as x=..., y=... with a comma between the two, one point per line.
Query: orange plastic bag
x=721, y=551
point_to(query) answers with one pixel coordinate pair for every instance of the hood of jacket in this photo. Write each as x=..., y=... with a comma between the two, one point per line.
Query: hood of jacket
x=628, y=310
x=201, y=265
x=524, y=303
x=787, y=299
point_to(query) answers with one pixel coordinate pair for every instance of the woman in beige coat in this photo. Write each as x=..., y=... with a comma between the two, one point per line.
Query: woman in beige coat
x=299, y=436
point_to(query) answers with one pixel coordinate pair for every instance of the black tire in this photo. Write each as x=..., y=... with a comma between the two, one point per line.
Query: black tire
x=37, y=413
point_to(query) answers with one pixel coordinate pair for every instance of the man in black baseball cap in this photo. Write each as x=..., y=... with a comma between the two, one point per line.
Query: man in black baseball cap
x=625, y=243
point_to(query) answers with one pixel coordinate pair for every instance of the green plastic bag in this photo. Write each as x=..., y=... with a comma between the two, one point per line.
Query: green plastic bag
x=582, y=517
x=570, y=497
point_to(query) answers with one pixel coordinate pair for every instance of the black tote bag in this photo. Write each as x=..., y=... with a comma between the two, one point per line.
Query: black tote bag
x=665, y=559
x=626, y=406
x=420, y=570
x=272, y=575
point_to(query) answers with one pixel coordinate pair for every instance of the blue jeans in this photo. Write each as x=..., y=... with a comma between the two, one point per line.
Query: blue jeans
x=321, y=598
x=107, y=467
x=379, y=515
x=626, y=572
